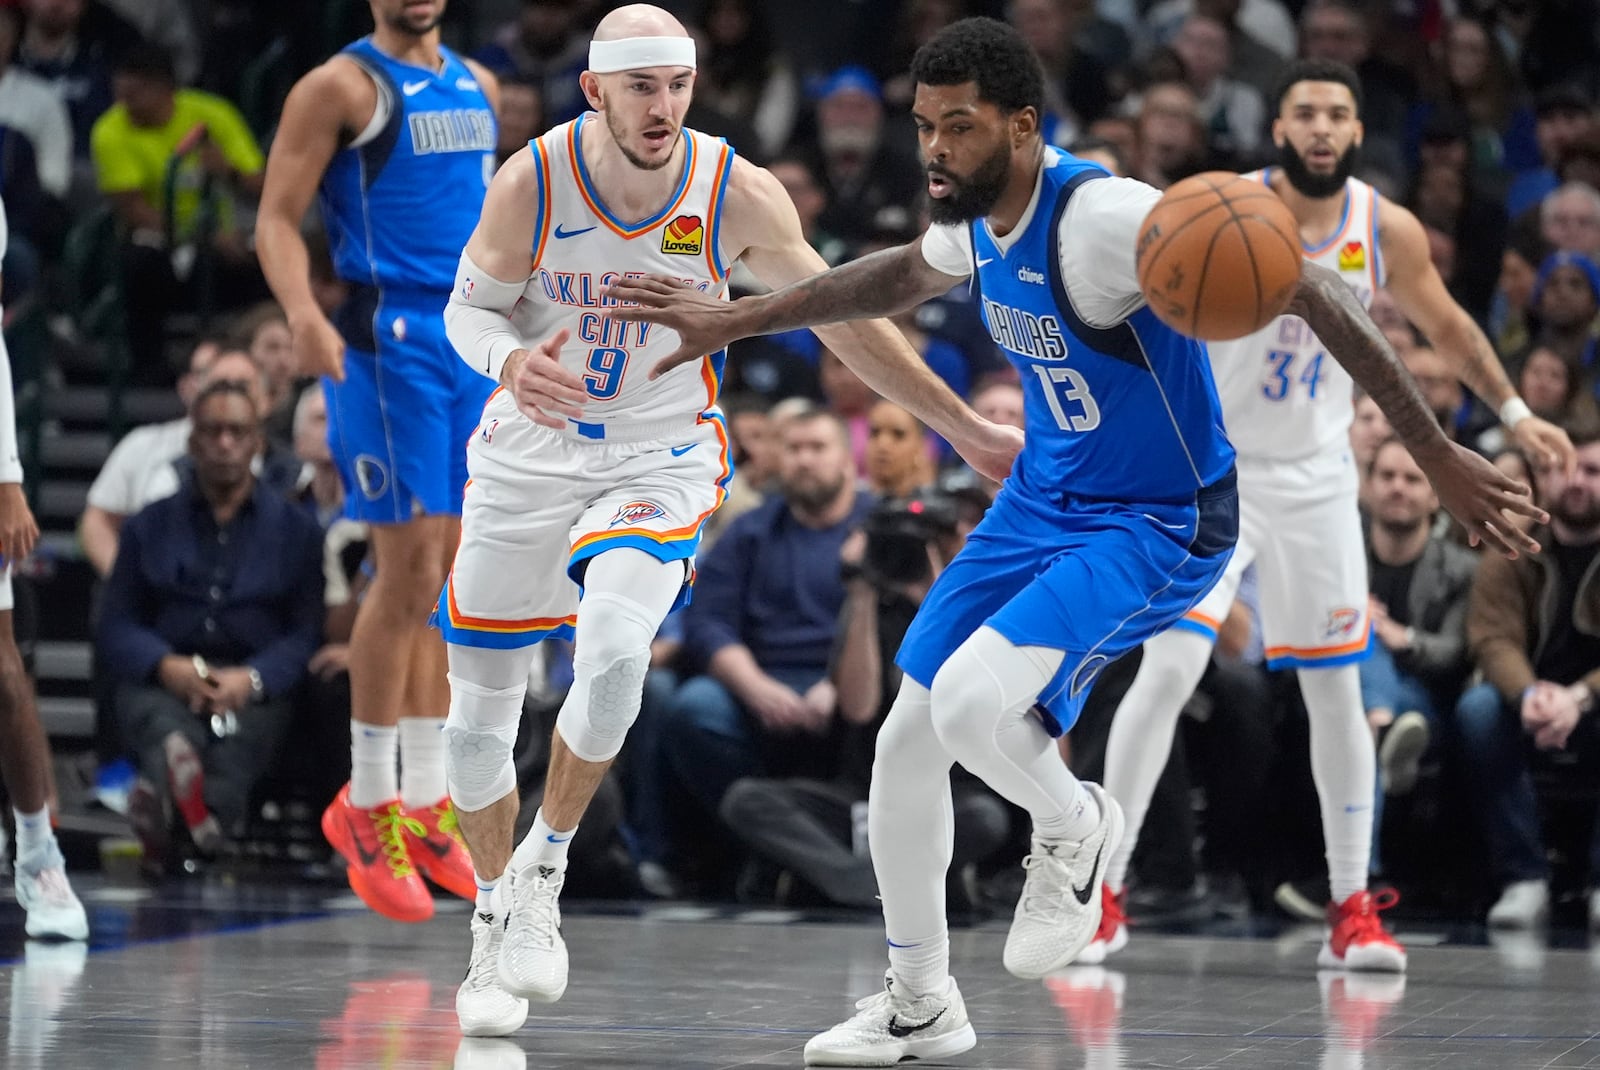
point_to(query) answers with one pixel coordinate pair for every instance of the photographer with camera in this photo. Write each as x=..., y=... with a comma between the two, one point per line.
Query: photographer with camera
x=817, y=829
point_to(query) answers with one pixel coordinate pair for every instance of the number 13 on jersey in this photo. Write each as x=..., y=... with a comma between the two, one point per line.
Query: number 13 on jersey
x=1064, y=387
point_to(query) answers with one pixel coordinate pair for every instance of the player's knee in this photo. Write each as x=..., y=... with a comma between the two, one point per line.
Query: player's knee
x=612, y=656
x=479, y=736
x=967, y=699
x=15, y=687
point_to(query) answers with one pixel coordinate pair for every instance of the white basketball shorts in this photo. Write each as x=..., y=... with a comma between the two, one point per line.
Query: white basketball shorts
x=539, y=503
x=1300, y=524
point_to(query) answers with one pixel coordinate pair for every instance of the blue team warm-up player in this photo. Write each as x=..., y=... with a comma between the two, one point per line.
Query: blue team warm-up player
x=395, y=135
x=1118, y=516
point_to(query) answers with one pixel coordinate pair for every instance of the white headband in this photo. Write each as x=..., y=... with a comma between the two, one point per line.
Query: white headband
x=633, y=53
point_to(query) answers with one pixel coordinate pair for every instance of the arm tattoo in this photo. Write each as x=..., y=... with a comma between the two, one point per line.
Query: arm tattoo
x=1480, y=368
x=882, y=284
x=1326, y=302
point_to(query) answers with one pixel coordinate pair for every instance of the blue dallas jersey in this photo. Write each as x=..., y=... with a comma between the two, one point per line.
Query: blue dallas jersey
x=400, y=205
x=1126, y=413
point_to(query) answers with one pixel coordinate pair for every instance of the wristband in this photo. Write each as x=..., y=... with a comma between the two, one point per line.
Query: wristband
x=1514, y=411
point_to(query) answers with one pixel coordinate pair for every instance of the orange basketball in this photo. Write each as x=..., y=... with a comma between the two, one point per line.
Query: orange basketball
x=1219, y=256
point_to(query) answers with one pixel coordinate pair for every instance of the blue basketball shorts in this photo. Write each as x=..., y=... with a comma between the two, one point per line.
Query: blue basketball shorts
x=399, y=422
x=1088, y=577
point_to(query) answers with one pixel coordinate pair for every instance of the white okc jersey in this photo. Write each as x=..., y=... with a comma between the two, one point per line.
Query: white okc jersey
x=1283, y=397
x=581, y=246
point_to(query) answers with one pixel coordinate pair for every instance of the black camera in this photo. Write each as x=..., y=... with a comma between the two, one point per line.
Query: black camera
x=899, y=532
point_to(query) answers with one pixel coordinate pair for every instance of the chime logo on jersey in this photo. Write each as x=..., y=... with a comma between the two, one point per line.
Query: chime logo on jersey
x=1352, y=256
x=636, y=513
x=685, y=235
x=1342, y=622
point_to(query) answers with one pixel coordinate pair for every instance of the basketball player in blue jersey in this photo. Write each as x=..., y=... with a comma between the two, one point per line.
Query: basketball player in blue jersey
x=1119, y=514
x=395, y=135
x=591, y=479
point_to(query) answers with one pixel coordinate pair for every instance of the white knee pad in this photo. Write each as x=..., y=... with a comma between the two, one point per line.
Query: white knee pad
x=610, y=659
x=479, y=735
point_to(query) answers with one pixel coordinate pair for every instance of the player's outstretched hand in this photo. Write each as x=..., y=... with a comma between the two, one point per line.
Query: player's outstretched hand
x=545, y=392
x=992, y=449
x=1483, y=499
x=1544, y=444
x=18, y=530
x=318, y=347
x=704, y=323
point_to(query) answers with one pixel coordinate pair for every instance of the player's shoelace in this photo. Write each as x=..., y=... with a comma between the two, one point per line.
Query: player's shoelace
x=52, y=886
x=481, y=967
x=535, y=916
x=448, y=824
x=1045, y=890
x=391, y=826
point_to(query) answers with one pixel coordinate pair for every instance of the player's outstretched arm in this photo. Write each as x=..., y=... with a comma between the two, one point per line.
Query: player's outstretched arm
x=1422, y=296
x=329, y=101
x=1474, y=491
x=763, y=230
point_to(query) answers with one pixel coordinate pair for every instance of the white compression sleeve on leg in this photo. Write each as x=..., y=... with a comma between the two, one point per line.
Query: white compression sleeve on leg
x=478, y=318
x=1345, y=767
x=981, y=701
x=486, y=691
x=1142, y=731
x=626, y=595
x=911, y=833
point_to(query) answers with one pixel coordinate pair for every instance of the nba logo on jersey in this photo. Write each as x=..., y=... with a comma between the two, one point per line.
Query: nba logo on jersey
x=488, y=430
x=1352, y=256
x=636, y=513
x=685, y=235
x=1342, y=622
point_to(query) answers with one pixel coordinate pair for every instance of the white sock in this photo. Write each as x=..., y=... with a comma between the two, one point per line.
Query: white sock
x=421, y=762
x=1080, y=818
x=1142, y=731
x=373, y=779
x=921, y=966
x=485, y=901
x=1345, y=768
x=33, y=832
x=543, y=845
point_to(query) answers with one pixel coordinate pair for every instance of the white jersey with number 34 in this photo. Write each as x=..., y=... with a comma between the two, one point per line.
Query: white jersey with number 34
x=1283, y=396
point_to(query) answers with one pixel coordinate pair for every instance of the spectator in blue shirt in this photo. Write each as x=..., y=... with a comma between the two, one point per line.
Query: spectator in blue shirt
x=210, y=615
x=761, y=626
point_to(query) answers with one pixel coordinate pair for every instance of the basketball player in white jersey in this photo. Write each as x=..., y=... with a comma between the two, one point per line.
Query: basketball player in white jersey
x=586, y=471
x=1288, y=409
x=43, y=892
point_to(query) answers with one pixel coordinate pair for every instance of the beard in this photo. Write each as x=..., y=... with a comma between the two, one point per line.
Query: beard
x=812, y=494
x=1310, y=184
x=619, y=135
x=406, y=24
x=976, y=195
x=1580, y=511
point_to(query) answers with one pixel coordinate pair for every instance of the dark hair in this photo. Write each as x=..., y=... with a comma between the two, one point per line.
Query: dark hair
x=1100, y=144
x=1583, y=430
x=1384, y=442
x=811, y=413
x=150, y=61
x=988, y=52
x=225, y=387
x=742, y=404
x=1317, y=70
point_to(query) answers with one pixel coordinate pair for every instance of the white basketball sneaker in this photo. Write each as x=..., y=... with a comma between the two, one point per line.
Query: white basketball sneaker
x=894, y=1025
x=1059, y=910
x=483, y=1006
x=533, y=957
x=44, y=892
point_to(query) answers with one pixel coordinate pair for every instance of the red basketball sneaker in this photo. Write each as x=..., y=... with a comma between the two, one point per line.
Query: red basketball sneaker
x=373, y=843
x=1112, y=936
x=439, y=851
x=1357, y=939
